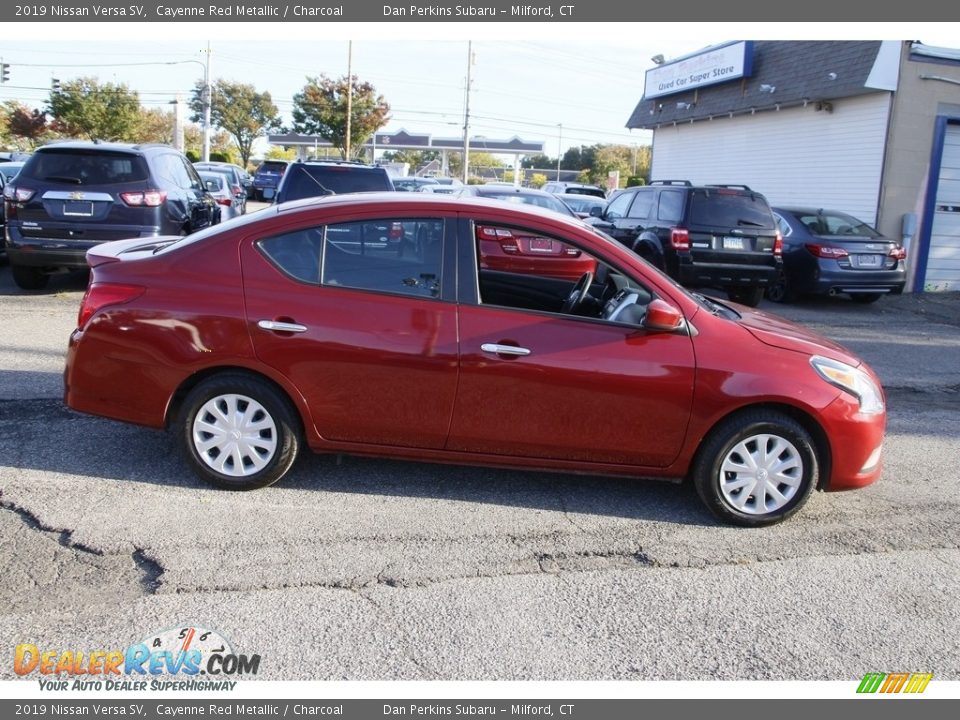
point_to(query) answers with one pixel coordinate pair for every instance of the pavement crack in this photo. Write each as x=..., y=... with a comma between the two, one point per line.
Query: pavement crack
x=63, y=536
x=151, y=571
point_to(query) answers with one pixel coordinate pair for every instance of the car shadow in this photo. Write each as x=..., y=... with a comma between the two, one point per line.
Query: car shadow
x=43, y=435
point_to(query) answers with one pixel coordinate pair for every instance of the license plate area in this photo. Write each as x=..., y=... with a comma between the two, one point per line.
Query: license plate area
x=78, y=208
x=733, y=243
x=868, y=261
x=540, y=245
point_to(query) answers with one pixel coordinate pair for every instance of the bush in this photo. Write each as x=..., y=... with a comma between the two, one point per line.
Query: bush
x=474, y=180
x=192, y=155
x=221, y=157
x=538, y=180
x=635, y=180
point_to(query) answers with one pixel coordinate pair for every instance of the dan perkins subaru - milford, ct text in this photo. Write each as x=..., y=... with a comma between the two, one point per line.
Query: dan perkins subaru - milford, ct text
x=436, y=11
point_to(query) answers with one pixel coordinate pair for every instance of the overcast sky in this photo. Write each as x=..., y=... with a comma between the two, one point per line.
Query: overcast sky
x=529, y=78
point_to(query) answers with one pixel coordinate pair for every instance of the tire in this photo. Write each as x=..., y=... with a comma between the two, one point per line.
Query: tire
x=749, y=296
x=743, y=441
x=865, y=298
x=781, y=292
x=29, y=278
x=228, y=403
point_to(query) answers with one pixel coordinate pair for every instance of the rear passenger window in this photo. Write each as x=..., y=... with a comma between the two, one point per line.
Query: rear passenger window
x=671, y=206
x=394, y=256
x=641, y=205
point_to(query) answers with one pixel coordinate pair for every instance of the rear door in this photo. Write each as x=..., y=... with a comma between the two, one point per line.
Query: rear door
x=367, y=333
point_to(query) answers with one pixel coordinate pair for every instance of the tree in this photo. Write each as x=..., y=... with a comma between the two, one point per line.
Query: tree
x=238, y=109
x=27, y=126
x=321, y=109
x=85, y=108
x=539, y=160
x=155, y=126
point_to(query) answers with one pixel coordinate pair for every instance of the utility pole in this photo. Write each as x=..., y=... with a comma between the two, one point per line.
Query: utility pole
x=466, y=114
x=559, y=148
x=349, y=93
x=207, y=101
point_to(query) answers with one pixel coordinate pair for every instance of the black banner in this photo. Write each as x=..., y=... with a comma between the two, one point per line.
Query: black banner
x=497, y=11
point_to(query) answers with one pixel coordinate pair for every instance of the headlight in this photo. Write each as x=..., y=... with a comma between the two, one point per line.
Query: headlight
x=851, y=380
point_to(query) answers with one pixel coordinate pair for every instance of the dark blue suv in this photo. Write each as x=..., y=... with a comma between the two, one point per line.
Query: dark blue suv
x=71, y=196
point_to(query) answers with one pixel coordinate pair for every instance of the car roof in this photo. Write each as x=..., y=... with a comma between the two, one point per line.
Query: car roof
x=393, y=200
x=109, y=146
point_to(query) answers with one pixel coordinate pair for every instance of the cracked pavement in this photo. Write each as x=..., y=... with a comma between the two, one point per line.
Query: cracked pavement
x=361, y=569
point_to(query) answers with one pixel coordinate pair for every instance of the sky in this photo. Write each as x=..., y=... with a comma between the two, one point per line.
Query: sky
x=563, y=85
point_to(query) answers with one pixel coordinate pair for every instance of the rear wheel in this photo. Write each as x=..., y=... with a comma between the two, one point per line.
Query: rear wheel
x=756, y=468
x=239, y=432
x=29, y=278
x=749, y=296
x=866, y=298
x=780, y=291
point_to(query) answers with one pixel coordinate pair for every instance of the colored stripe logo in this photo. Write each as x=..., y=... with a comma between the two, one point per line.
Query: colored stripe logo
x=894, y=682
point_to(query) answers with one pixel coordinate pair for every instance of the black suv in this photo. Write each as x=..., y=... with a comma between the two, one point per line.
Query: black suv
x=71, y=196
x=722, y=236
x=327, y=177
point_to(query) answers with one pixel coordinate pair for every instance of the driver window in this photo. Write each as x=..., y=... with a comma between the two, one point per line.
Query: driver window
x=526, y=270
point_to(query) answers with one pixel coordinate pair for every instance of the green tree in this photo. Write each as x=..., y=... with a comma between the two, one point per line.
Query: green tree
x=321, y=109
x=155, y=126
x=84, y=108
x=238, y=109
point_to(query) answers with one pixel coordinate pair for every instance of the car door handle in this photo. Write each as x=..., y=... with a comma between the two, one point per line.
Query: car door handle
x=504, y=349
x=277, y=326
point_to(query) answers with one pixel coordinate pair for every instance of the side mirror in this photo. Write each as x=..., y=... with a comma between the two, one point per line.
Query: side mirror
x=662, y=316
x=596, y=212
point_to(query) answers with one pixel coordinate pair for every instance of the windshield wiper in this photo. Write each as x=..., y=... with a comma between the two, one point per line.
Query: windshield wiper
x=714, y=308
x=741, y=221
x=65, y=179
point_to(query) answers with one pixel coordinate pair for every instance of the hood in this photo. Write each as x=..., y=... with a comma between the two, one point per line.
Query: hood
x=779, y=332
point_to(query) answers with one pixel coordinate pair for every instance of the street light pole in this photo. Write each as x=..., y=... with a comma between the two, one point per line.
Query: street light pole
x=349, y=95
x=207, y=100
x=559, y=147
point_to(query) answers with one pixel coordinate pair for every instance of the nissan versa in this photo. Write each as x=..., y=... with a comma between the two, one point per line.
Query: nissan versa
x=304, y=324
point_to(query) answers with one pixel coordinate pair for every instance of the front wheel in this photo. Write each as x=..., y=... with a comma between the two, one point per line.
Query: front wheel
x=756, y=468
x=239, y=433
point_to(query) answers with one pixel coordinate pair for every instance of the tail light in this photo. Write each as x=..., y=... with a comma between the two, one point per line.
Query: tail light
x=17, y=194
x=778, y=245
x=396, y=231
x=100, y=295
x=226, y=202
x=680, y=239
x=235, y=189
x=827, y=251
x=147, y=198
x=508, y=243
x=899, y=252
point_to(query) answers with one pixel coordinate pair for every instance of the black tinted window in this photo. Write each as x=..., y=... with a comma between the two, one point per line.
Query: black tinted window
x=303, y=181
x=79, y=167
x=296, y=253
x=394, y=256
x=730, y=209
x=272, y=167
x=642, y=204
x=671, y=206
x=618, y=206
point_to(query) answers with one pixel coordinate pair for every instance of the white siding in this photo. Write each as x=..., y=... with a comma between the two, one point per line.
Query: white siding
x=795, y=156
x=943, y=262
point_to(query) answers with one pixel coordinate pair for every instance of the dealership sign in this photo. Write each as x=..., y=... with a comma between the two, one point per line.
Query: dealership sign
x=707, y=67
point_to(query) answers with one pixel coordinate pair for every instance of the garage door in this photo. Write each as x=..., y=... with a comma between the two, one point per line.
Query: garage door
x=943, y=262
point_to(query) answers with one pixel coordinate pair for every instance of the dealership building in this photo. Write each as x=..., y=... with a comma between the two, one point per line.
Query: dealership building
x=871, y=128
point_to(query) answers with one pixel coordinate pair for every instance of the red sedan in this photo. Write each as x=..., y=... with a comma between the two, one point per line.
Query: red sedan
x=304, y=324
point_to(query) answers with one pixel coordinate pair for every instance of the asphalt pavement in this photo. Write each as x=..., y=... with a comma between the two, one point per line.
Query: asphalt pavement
x=362, y=569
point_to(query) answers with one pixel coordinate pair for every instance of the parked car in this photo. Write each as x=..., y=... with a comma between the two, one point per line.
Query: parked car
x=826, y=252
x=572, y=188
x=329, y=177
x=251, y=340
x=440, y=189
x=412, y=183
x=71, y=196
x=267, y=178
x=448, y=181
x=218, y=185
x=507, y=192
x=3, y=225
x=584, y=205
x=238, y=189
x=9, y=170
x=721, y=236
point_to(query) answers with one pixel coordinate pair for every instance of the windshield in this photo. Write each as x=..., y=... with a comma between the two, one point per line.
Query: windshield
x=304, y=181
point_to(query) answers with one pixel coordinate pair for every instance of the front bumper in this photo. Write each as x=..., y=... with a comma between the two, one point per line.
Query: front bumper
x=856, y=442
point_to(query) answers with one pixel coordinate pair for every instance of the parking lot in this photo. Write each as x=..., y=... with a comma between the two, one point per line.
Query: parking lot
x=360, y=569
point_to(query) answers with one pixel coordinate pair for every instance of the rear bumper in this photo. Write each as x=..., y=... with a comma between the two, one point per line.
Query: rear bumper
x=56, y=252
x=726, y=274
x=828, y=279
